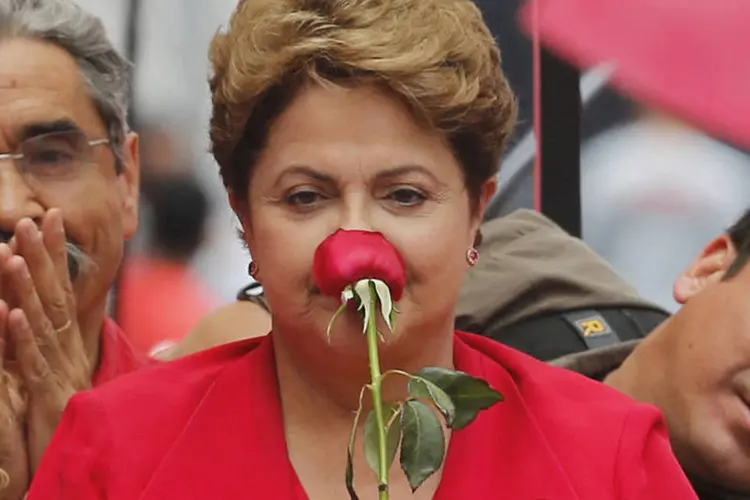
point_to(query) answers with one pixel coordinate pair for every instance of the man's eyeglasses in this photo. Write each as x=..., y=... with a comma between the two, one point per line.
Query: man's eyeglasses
x=55, y=155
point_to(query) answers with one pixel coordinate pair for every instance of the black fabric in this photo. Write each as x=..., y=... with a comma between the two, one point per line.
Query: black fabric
x=554, y=336
x=560, y=143
x=253, y=293
x=707, y=491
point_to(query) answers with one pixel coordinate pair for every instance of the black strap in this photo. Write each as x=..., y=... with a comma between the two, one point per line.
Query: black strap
x=708, y=491
x=253, y=293
x=560, y=334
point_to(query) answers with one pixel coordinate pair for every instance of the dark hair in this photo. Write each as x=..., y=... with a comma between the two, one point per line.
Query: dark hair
x=180, y=210
x=739, y=233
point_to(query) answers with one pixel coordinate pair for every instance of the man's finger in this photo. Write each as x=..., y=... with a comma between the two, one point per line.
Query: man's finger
x=53, y=234
x=34, y=368
x=3, y=338
x=30, y=246
x=28, y=300
x=5, y=254
x=7, y=407
x=8, y=415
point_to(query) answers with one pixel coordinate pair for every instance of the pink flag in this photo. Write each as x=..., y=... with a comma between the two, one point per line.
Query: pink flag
x=690, y=58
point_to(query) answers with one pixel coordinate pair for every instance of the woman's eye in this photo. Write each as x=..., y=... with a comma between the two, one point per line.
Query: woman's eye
x=304, y=198
x=407, y=197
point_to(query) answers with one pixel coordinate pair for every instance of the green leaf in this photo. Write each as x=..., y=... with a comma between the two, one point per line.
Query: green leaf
x=469, y=395
x=423, y=388
x=393, y=436
x=423, y=443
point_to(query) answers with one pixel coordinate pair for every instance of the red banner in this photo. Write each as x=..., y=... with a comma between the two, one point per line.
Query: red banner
x=690, y=58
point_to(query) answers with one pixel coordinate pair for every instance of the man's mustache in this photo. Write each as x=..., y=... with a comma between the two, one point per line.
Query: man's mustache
x=79, y=263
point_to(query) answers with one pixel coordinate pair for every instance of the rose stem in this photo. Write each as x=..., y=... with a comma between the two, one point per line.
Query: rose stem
x=377, y=395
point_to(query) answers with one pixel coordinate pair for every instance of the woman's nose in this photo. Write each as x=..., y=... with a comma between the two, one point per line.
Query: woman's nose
x=356, y=212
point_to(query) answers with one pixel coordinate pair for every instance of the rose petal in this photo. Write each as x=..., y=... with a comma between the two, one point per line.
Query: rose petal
x=347, y=257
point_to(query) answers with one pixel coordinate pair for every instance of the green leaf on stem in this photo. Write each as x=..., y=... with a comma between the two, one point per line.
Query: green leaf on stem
x=392, y=413
x=423, y=388
x=469, y=395
x=423, y=442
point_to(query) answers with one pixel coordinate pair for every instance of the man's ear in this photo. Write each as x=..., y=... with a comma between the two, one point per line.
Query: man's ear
x=130, y=179
x=707, y=269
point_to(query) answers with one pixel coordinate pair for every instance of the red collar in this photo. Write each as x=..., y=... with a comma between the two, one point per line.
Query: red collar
x=117, y=356
x=255, y=464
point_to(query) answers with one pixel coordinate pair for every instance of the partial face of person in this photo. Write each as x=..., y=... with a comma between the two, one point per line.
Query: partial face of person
x=55, y=155
x=704, y=386
x=356, y=159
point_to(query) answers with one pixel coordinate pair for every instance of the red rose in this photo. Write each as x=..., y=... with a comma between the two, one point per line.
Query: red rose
x=346, y=257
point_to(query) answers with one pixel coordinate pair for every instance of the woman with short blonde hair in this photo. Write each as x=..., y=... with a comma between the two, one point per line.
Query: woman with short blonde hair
x=389, y=118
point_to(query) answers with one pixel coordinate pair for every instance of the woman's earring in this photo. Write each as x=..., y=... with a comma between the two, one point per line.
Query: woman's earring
x=472, y=256
x=252, y=269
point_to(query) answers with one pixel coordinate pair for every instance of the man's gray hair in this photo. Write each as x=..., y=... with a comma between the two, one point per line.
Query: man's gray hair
x=65, y=24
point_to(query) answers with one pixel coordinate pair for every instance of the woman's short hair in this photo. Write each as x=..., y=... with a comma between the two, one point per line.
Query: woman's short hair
x=437, y=56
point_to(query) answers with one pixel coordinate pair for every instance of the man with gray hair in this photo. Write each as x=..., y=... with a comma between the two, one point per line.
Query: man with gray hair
x=68, y=200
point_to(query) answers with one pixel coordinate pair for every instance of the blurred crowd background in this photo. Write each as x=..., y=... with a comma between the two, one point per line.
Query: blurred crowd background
x=654, y=190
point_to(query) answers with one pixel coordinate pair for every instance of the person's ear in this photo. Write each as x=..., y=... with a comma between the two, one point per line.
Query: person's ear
x=707, y=269
x=485, y=196
x=129, y=181
x=241, y=210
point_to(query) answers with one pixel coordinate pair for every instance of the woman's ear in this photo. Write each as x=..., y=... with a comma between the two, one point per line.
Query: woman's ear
x=709, y=268
x=241, y=210
x=485, y=196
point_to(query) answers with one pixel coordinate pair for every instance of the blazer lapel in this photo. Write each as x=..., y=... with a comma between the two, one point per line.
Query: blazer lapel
x=233, y=446
x=503, y=453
